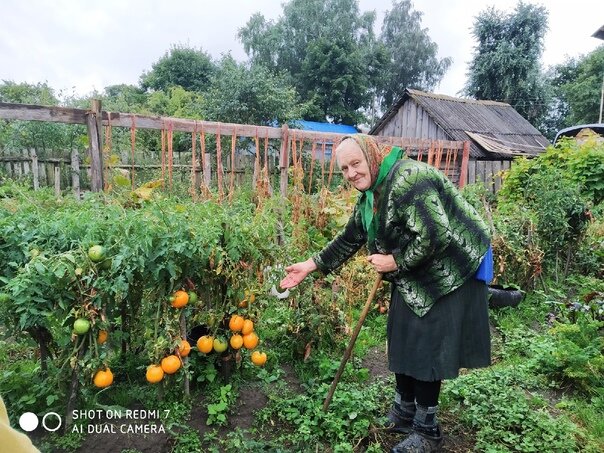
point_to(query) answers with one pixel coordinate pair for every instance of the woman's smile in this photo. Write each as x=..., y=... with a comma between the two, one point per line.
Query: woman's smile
x=353, y=164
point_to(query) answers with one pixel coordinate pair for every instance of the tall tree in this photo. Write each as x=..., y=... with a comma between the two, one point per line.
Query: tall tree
x=124, y=98
x=337, y=78
x=505, y=66
x=249, y=95
x=43, y=136
x=582, y=91
x=298, y=42
x=412, y=55
x=181, y=66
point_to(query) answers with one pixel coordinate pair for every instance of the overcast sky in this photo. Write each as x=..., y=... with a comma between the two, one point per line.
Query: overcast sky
x=78, y=46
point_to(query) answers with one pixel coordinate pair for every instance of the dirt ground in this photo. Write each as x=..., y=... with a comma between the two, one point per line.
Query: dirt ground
x=251, y=400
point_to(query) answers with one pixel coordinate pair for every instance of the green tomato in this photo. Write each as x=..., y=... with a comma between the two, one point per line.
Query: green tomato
x=105, y=264
x=220, y=345
x=4, y=297
x=81, y=326
x=192, y=297
x=96, y=253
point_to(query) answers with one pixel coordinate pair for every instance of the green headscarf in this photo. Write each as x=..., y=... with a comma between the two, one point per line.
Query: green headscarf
x=380, y=160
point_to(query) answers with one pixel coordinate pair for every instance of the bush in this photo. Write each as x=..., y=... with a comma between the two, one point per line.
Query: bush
x=543, y=213
x=494, y=403
x=572, y=356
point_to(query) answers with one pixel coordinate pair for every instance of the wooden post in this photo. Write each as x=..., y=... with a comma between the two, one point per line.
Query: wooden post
x=25, y=162
x=16, y=169
x=95, y=139
x=57, y=179
x=35, y=169
x=207, y=170
x=472, y=172
x=463, y=176
x=75, y=173
x=284, y=159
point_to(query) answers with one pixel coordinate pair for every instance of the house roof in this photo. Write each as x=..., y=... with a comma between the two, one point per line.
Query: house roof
x=494, y=129
x=326, y=127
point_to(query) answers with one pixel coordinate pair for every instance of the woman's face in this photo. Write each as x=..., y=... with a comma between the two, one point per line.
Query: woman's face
x=353, y=164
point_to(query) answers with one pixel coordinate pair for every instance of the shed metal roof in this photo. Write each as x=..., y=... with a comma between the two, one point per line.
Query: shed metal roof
x=495, y=129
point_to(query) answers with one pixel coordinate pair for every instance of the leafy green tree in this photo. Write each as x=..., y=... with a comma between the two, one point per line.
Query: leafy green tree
x=505, y=66
x=181, y=66
x=123, y=98
x=249, y=95
x=337, y=73
x=579, y=84
x=42, y=136
x=558, y=111
x=298, y=43
x=412, y=55
x=575, y=87
x=25, y=93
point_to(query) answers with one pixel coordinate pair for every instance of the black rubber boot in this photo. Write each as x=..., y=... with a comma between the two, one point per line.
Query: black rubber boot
x=400, y=417
x=425, y=437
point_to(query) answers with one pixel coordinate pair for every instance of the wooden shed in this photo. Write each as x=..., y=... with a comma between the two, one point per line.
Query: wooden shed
x=496, y=131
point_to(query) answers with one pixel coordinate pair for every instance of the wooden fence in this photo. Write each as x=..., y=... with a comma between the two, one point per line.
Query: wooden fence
x=449, y=156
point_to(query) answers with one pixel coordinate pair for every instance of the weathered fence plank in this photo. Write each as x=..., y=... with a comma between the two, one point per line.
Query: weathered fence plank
x=35, y=169
x=57, y=179
x=75, y=173
x=96, y=147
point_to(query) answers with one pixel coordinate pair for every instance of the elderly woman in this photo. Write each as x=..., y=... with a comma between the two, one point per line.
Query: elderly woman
x=428, y=242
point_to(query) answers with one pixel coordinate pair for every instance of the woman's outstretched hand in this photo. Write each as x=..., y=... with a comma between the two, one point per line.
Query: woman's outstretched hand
x=297, y=272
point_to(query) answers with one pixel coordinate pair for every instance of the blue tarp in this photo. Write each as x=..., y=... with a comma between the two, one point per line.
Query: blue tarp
x=325, y=127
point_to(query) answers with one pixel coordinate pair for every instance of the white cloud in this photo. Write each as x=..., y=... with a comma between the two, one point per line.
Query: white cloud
x=92, y=45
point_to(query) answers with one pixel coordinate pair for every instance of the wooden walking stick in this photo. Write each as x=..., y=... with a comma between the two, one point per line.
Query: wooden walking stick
x=355, y=334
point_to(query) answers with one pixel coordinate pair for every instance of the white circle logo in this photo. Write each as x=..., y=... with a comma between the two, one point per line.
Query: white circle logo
x=58, y=424
x=28, y=421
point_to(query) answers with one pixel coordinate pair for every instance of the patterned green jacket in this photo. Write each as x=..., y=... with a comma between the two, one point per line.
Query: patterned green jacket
x=436, y=237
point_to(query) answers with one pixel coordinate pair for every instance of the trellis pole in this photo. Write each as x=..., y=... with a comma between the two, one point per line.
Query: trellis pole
x=95, y=140
x=284, y=159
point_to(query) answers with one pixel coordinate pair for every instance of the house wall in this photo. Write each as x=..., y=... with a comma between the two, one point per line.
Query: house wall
x=488, y=172
x=413, y=121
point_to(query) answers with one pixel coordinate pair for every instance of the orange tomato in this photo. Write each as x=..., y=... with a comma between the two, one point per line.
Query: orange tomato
x=155, y=374
x=205, y=344
x=102, y=337
x=236, y=341
x=236, y=323
x=180, y=298
x=248, y=327
x=258, y=358
x=170, y=364
x=184, y=348
x=103, y=378
x=250, y=341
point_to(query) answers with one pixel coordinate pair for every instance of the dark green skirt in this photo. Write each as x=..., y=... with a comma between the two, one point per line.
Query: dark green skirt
x=454, y=334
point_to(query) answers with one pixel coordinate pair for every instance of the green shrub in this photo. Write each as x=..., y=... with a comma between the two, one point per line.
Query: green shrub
x=573, y=355
x=494, y=403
